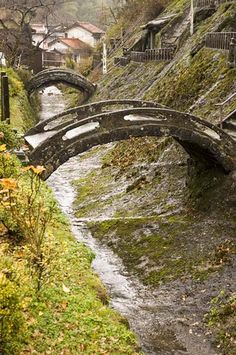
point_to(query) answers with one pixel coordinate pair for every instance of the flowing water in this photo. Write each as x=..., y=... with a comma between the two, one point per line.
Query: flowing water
x=148, y=312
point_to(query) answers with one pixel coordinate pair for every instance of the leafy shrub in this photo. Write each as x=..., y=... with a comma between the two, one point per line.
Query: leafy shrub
x=24, y=209
x=16, y=85
x=24, y=75
x=8, y=136
x=12, y=323
x=70, y=63
x=9, y=165
x=85, y=65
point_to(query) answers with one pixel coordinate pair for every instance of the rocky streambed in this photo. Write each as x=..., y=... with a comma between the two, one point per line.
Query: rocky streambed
x=162, y=259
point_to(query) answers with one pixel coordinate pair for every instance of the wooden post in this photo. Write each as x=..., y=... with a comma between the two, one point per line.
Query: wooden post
x=152, y=39
x=2, y=102
x=232, y=53
x=221, y=116
x=104, y=58
x=5, y=105
x=191, y=18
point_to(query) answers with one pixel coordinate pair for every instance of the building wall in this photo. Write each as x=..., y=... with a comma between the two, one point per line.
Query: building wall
x=37, y=38
x=58, y=46
x=83, y=35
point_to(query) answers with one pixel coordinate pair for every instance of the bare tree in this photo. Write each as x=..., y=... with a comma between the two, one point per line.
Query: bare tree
x=15, y=19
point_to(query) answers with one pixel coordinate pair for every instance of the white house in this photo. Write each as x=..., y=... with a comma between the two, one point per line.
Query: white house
x=74, y=47
x=86, y=32
x=43, y=34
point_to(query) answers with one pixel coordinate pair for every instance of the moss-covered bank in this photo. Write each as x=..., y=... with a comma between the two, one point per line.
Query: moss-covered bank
x=196, y=79
x=24, y=113
x=167, y=229
x=176, y=234
x=68, y=313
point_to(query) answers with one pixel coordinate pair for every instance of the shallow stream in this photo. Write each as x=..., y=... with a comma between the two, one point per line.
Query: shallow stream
x=148, y=311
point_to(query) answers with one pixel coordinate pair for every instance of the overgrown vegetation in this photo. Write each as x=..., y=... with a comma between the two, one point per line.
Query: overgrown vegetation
x=221, y=321
x=50, y=301
x=23, y=115
x=13, y=301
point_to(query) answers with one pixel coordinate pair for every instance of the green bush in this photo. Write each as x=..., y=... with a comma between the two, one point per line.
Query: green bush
x=24, y=75
x=8, y=136
x=16, y=85
x=70, y=63
x=9, y=165
x=12, y=323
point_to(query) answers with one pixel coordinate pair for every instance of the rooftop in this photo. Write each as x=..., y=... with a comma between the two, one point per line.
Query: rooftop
x=87, y=26
x=74, y=43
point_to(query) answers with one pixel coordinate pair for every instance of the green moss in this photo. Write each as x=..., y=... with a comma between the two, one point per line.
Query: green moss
x=76, y=320
x=68, y=314
x=189, y=80
x=203, y=186
x=22, y=114
x=88, y=187
x=176, y=6
x=218, y=94
x=133, y=150
x=221, y=320
x=9, y=136
x=160, y=250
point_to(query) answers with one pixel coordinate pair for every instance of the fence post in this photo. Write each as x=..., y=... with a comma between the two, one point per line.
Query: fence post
x=191, y=17
x=2, y=102
x=5, y=105
x=232, y=53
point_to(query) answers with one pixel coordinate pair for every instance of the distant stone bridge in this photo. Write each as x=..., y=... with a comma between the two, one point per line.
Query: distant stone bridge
x=58, y=75
x=202, y=140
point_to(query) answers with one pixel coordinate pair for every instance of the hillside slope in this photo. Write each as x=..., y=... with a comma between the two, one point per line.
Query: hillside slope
x=172, y=226
x=194, y=81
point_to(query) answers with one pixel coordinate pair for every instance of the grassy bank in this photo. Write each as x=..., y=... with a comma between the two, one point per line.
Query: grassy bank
x=50, y=300
x=23, y=114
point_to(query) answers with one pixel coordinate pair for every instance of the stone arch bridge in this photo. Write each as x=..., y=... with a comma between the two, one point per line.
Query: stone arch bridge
x=58, y=75
x=55, y=141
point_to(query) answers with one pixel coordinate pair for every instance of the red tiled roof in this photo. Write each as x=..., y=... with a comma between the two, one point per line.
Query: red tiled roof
x=74, y=43
x=87, y=26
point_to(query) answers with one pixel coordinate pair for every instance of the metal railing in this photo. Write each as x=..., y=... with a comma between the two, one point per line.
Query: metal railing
x=53, y=63
x=210, y=3
x=204, y=3
x=138, y=56
x=222, y=105
x=158, y=55
x=219, y=40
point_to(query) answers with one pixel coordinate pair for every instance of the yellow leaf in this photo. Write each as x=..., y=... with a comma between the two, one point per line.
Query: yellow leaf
x=3, y=147
x=26, y=168
x=9, y=183
x=38, y=169
x=7, y=156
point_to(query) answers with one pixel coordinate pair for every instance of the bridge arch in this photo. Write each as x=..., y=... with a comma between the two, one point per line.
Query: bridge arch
x=201, y=140
x=75, y=114
x=69, y=77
